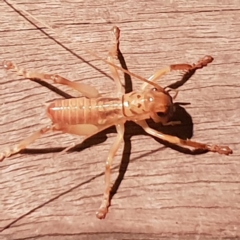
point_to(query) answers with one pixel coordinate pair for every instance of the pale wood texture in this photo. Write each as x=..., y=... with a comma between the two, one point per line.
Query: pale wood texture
x=165, y=193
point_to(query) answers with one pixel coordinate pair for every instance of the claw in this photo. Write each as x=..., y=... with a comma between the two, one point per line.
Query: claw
x=205, y=60
x=8, y=152
x=7, y=65
x=220, y=149
x=2, y=156
x=101, y=213
x=225, y=150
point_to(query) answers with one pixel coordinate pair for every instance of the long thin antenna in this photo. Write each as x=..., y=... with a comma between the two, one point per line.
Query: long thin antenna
x=155, y=85
x=124, y=70
x=19, y=11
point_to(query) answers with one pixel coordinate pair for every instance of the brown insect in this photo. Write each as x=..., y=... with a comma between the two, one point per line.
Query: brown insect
x=92, y=113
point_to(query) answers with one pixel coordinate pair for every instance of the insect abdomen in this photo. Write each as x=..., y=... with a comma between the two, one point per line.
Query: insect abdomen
x=83, y=110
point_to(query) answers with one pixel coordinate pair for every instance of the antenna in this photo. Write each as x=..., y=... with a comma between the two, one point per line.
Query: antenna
x=155, y=85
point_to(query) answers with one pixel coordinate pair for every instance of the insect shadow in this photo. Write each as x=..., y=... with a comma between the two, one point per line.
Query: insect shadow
x=183, y=131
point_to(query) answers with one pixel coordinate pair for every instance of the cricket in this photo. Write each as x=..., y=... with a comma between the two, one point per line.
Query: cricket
x=91, y=113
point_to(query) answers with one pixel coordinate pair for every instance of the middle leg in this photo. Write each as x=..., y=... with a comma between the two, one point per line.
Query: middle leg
x=103, y=209
x=185, y=143
x=112, y=54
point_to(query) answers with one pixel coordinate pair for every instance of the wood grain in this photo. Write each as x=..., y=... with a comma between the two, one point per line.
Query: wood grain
x=162, y=193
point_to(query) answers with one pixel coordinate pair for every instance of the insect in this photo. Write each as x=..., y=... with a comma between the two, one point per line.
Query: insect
x=90, y=114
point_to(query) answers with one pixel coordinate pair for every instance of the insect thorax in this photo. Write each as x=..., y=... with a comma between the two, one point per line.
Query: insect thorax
x=144, y=103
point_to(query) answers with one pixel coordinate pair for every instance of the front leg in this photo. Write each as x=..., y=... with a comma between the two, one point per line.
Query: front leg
x=178, y=67
x=185, y=143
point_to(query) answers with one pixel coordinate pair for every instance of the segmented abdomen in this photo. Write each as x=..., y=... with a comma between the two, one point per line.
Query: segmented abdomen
x=83, y=110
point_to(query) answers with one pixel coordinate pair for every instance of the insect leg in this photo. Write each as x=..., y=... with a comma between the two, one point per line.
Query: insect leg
x=91, y=130
x=176, y=67
x=103, y=209
x=81, y=129
x=86, y=90
x=112, y=54
x=24, y=143
x=185, y=143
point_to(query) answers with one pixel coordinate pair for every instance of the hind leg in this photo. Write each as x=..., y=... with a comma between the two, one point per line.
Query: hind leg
x=24, y=143
x=86, y=90
x=86, y=130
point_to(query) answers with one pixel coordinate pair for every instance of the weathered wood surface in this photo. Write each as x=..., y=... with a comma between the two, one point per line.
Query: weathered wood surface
x=164, y=193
